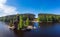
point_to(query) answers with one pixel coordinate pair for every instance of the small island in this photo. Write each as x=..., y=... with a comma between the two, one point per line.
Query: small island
x=26, y=21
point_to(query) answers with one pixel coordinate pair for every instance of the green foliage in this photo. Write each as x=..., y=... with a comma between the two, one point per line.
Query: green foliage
x=50, y=18
x=27, y=22
x=4, y=19
x=38, y=19
x=14, y=18
x=11, y=23
x=47, y=18
x=20, y=25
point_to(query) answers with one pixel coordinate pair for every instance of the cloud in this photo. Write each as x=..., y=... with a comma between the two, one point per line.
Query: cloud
x=6, y=9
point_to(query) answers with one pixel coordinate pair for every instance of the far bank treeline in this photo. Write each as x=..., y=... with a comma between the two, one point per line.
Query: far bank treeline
x=31, y=17
x=17, y=17
x=48, y=18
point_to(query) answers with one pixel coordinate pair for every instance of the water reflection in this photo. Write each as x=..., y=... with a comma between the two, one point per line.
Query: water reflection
x=45, y=30
x=36, y=25
x=50, y=29
x=19, y=33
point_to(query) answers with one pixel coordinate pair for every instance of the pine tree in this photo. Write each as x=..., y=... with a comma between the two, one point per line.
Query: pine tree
x=3, y=19
x=27, y=22
x=38, y=19
x=11, y=23
x=47, y=18
x=20, y=25
x=14, y=18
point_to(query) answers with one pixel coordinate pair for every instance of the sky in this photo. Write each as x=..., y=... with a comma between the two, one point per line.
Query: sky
x=10, y=7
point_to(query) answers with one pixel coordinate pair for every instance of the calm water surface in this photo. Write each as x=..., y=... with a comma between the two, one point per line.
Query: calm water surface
x=45, y=30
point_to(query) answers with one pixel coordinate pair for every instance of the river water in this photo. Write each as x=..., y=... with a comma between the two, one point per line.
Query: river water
x=45, y=30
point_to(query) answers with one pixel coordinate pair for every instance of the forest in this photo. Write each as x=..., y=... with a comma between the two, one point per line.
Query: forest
x=24, y=20
x=49, y=18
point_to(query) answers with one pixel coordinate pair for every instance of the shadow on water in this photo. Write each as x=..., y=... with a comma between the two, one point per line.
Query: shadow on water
x=19, y=33
x=45, y=30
